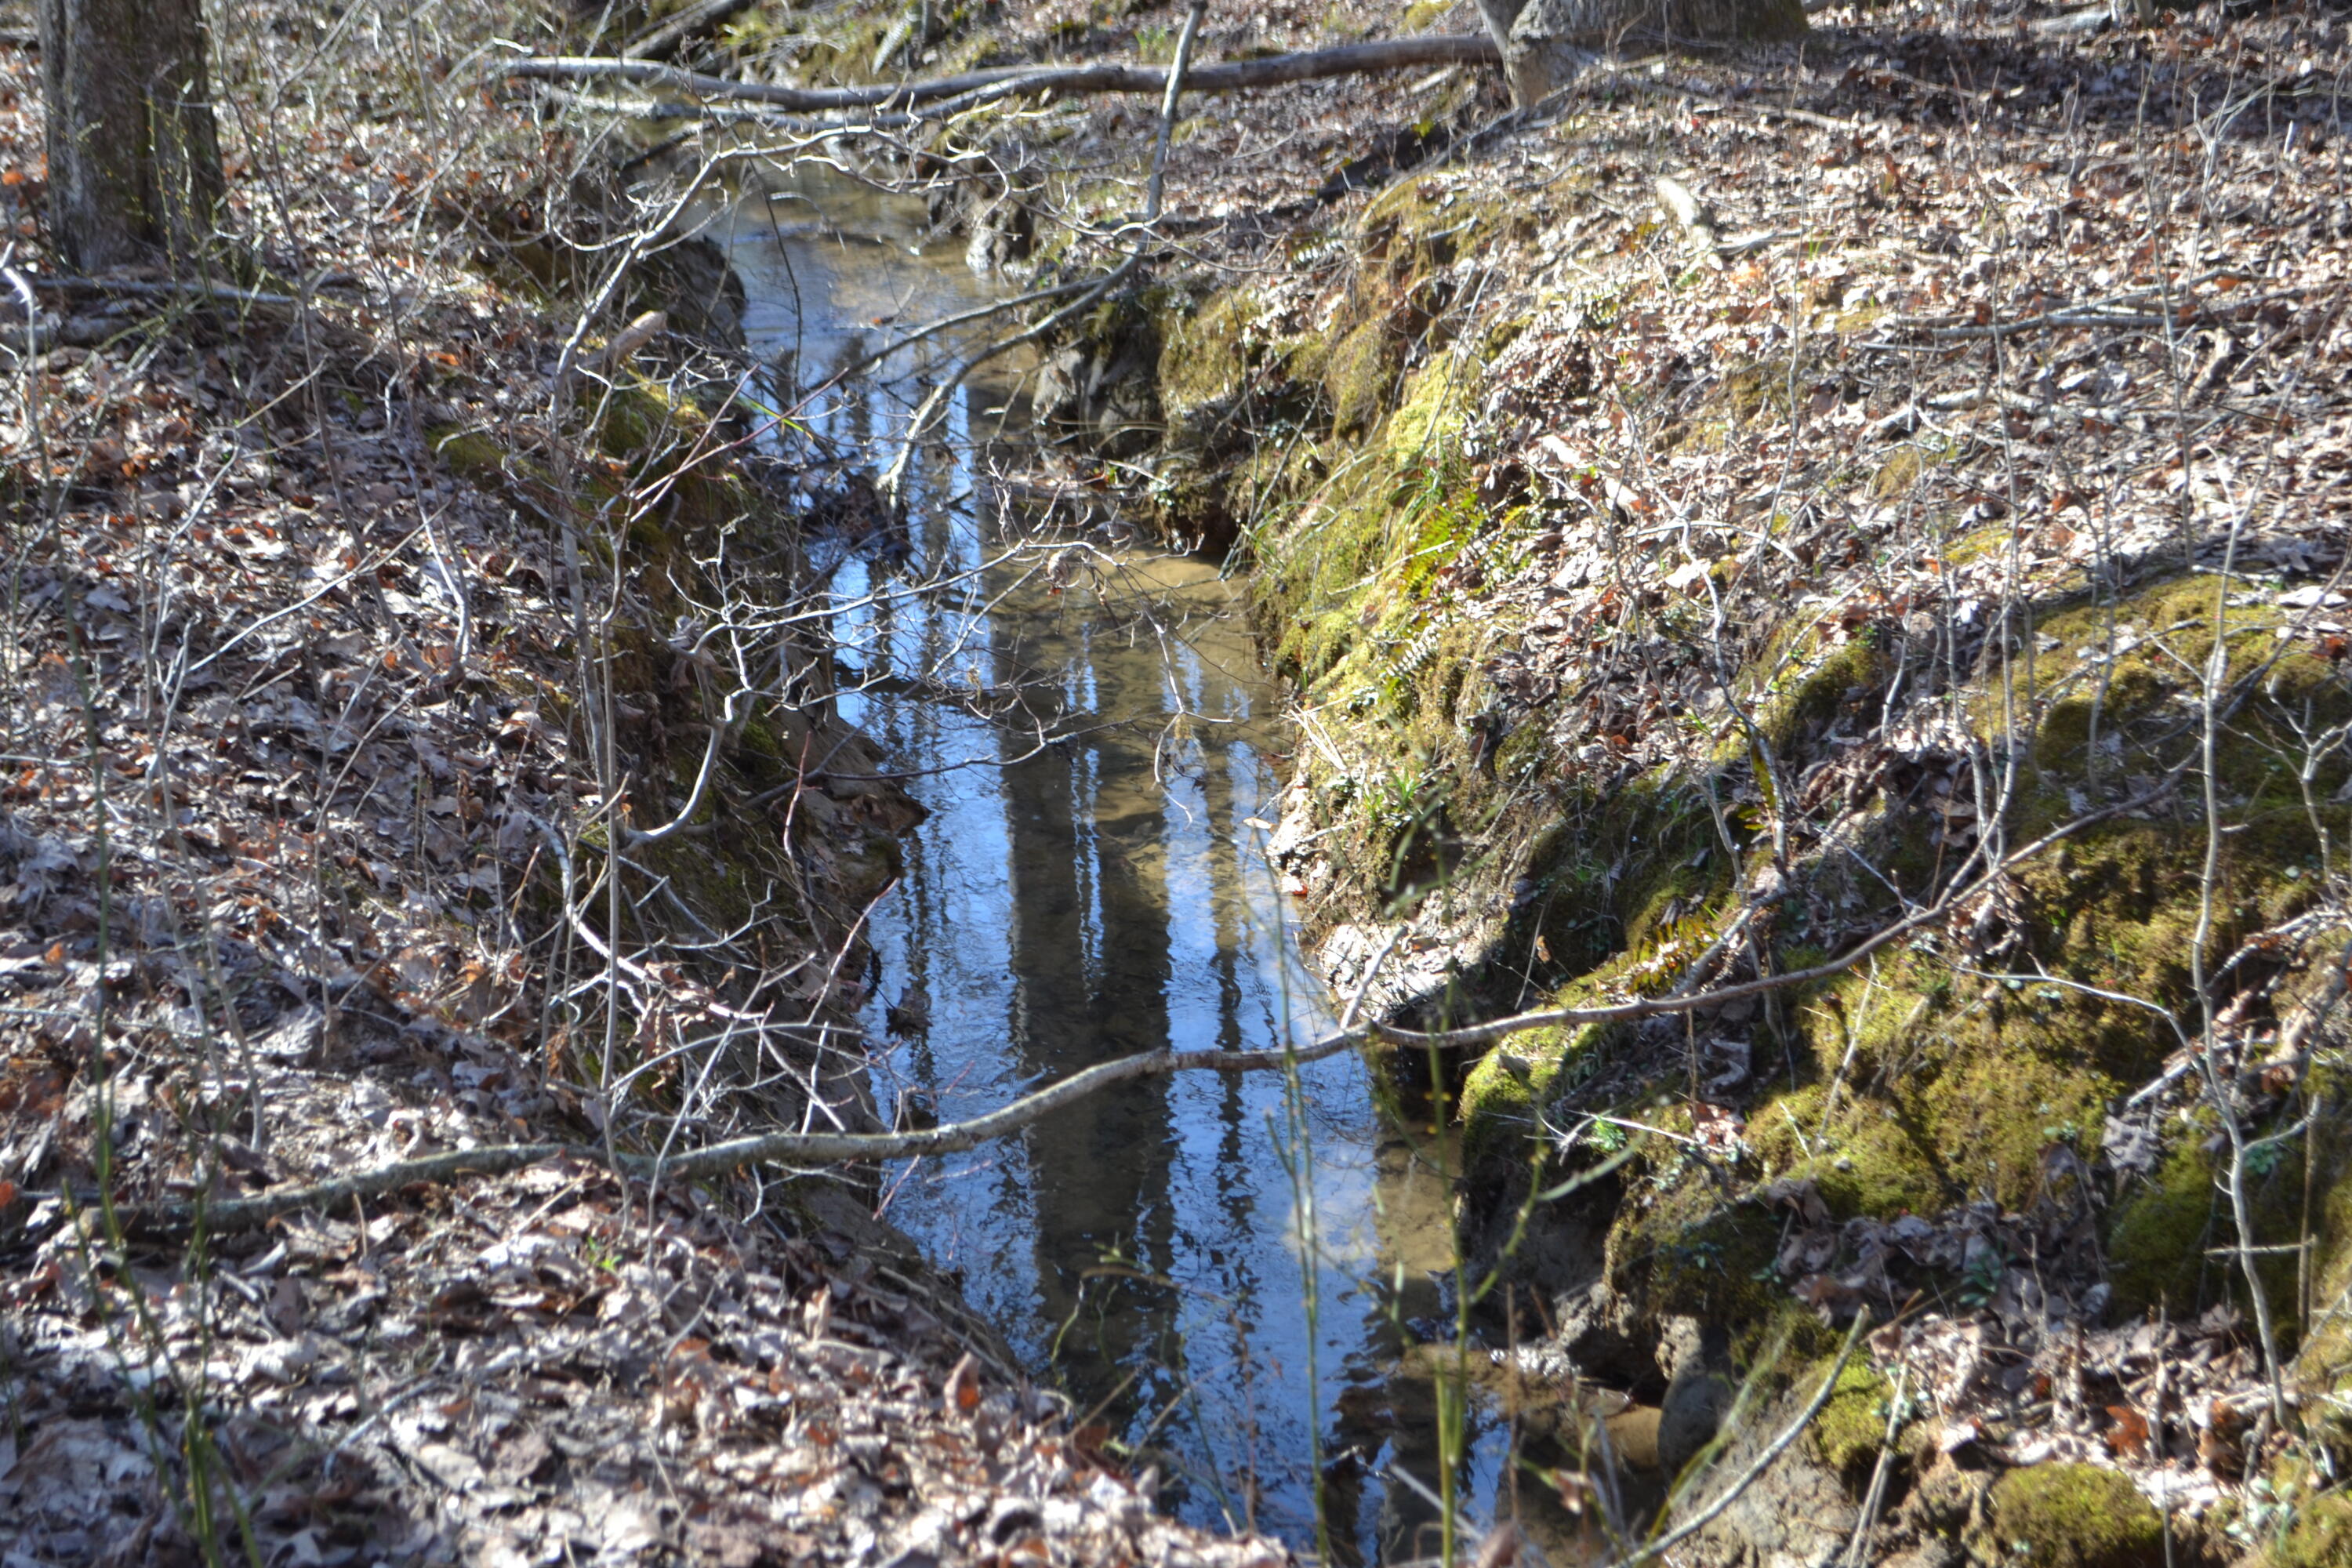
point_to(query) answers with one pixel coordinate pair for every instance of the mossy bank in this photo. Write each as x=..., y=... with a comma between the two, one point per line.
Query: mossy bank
x=1643, y=645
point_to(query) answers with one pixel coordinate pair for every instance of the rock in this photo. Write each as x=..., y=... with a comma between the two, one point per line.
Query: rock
x=695, y=288
x=1681, y=1339
x=1105, y=384
x=294, y=1039
x=1635, y=1434
x=1697, y=1399
x=1935, y=1553
x=1599, y=1329
x=1946, y=1500
x=1796, y=1513
x=1004, y=233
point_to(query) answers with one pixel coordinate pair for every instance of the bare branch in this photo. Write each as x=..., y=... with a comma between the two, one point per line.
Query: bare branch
x=820, y=1148
x=1234, y=76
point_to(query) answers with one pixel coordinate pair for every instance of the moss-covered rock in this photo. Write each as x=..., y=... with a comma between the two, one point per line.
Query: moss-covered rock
x=2071, y=1516
x=1852, y=1427
x=2159, y=1239
x=2320, y=1536
x=1361, y=374
x=1205, y=358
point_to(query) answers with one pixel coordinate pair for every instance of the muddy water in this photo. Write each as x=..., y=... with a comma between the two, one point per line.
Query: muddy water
x=1225, y=1273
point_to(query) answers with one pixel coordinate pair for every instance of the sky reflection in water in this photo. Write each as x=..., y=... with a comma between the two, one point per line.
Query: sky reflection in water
x=1100, y=896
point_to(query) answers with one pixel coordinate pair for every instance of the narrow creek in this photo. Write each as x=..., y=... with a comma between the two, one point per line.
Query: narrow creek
x=1227, y=1274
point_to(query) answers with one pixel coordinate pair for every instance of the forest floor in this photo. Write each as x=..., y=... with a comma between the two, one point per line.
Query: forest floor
x=296, y=767
x=300, y=746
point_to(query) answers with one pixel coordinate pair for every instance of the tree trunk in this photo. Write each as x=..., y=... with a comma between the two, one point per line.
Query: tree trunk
x=1541, y=39
x=135, y=159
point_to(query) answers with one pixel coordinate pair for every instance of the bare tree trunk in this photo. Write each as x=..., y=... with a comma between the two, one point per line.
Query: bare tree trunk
x=134, y=159
x=1540, y=38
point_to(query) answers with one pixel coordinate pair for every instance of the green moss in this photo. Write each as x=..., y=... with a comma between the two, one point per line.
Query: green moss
x=639, y=415
x=1360, y=376
x=1433, y=410
x=469, y=453
x=1939, y=1101
x=2320, y=1537
x=1899, y=474
x=1864, y=1162
x=1204, y=356
x=2325, y=1364
x=480, y=461
x=1608, y=871
x=1681, y=1245
x=1420, y=224
x=2073, y=1516
x=1852, y=1427
x=2157, y=1241
x=1757, y=389
x=1841, y=675
x=1945, y=1096
x=1997, y=1112
x=1500, y=1095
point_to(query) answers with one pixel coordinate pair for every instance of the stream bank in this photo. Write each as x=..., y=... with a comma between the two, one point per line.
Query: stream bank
x=1680, y=601
x=1236, y=1282
x=380, y=798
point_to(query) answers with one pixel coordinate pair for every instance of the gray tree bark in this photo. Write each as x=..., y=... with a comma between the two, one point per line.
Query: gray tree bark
x=134, y=156
x=1541, y=39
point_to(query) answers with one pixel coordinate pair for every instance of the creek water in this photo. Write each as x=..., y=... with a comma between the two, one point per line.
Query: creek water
x=1227, y=1273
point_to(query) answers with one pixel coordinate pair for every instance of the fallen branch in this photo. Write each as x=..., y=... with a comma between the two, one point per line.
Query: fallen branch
x=218, y=293
x=226, y=1214
x=1602, y=74
x=222, y=1215
x=1233, y=76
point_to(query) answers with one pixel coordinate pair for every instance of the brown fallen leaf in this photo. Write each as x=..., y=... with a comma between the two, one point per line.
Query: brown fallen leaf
x=2128, y=1438
x=962, y=1391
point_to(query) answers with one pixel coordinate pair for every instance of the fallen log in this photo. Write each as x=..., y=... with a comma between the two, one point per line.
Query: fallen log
x=1233, y=75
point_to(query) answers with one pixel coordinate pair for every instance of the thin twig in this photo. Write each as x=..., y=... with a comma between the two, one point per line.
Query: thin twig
x=817, y=1148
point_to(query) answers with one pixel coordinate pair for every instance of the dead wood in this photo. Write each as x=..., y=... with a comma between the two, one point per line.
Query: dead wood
x=222, y=1215
x=1233, y=76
